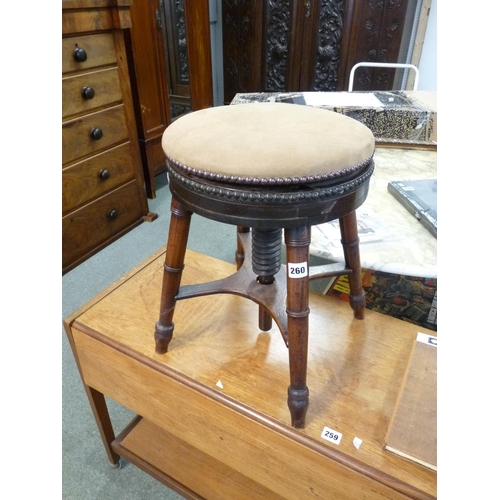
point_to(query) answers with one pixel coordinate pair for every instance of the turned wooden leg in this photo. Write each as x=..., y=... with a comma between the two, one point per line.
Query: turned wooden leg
x=350, y=242
x=172, y=271
x=265, y=319
x=266, y=262
x=297, y=242
x=239, y=256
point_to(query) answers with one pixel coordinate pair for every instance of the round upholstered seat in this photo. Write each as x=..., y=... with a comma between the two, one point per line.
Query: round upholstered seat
x=269, y=164
x=268, y=142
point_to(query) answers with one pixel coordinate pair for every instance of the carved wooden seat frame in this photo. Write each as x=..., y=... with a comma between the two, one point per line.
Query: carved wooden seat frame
x=261, y=209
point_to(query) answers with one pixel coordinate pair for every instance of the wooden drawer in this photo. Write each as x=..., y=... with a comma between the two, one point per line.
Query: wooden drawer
x=84, y=230
x=102, y=88
x=89, y=179
x=100, y=51
x=77, y=141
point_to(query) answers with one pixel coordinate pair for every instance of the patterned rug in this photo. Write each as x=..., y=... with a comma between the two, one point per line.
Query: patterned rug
x=408, y=298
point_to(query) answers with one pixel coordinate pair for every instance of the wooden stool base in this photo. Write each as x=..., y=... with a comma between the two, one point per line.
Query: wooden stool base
x=283, y=298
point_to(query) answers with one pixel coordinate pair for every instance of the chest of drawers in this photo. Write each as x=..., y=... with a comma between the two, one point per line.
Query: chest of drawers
x=103, y=193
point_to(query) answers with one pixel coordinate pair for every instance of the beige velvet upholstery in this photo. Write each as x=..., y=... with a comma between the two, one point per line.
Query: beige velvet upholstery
x=268, y=141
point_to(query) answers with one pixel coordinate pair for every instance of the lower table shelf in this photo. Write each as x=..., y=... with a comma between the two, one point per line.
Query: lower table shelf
x=176, y=463
x=214, y=421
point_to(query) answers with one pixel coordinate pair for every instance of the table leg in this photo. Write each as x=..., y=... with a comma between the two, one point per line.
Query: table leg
x=101, y=415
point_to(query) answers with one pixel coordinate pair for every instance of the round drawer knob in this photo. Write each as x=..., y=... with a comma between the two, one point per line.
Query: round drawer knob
x=96, y=133
x=88, y=93
x=113, y=214
x=80, y=55
x=104, y=174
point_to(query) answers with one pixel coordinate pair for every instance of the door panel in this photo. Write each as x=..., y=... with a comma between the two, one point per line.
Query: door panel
x=308, y=45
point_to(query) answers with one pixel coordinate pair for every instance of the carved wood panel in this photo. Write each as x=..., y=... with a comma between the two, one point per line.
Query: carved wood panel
x=373, y=33
x=329, y=37
x=242, y=46
x=173, y=20
x=277, y=28
x=186, y=35
x=301, y=45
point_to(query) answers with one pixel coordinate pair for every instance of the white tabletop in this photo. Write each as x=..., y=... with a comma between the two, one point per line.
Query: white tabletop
x=400, y=243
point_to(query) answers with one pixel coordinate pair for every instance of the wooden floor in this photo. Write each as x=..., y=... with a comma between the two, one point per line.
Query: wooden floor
x=215, y=422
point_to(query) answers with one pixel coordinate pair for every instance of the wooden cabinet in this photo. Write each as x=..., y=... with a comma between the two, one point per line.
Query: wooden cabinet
x=171, y=71
x=297, y=45
x=103, y=192
x=149, y=86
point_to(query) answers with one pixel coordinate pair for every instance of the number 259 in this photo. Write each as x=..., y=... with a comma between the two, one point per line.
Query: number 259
x=331, y=435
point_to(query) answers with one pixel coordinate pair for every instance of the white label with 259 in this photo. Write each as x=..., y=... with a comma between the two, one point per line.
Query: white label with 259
x=331, y=435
